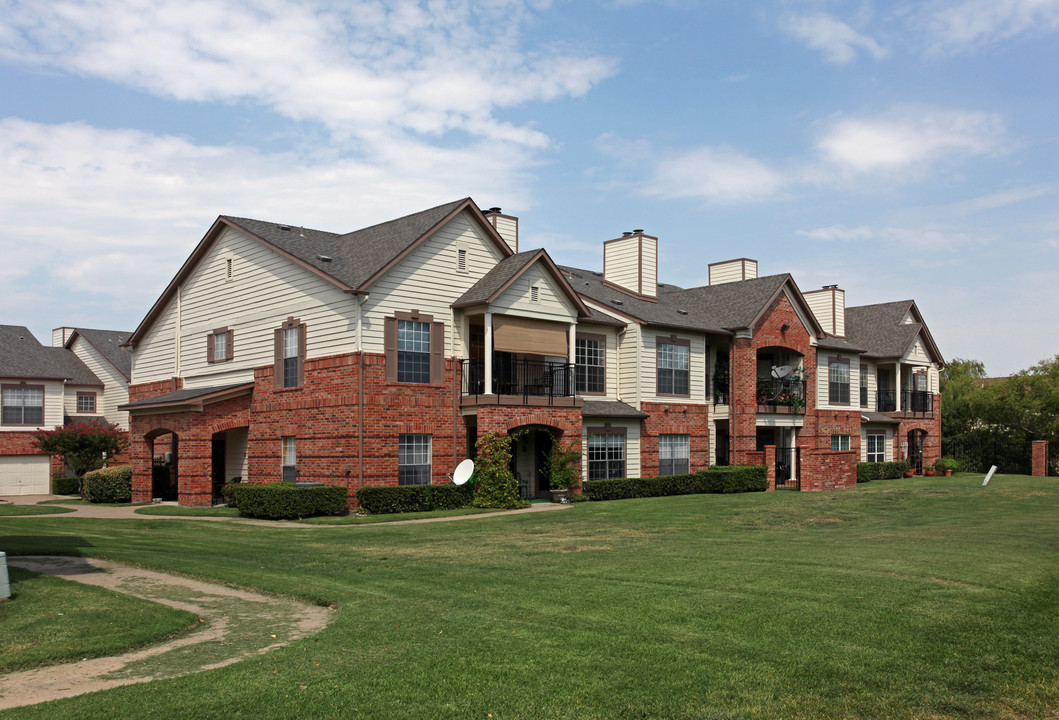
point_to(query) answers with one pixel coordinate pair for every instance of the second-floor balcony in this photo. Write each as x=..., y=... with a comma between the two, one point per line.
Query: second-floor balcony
x=519, y=381
x=913, y=402
x=782, y=395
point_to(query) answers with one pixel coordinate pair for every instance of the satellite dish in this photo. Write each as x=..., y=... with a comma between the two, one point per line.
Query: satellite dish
x=781, y=371
x=463, y=472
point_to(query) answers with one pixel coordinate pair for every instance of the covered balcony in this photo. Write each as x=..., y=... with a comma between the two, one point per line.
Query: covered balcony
x=780, y=381
x=516, y=380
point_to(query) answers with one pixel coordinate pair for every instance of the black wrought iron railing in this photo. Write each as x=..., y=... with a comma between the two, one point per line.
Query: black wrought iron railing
x=885, y=400
x=527, y=378
x=773, y=394
x=917, y=402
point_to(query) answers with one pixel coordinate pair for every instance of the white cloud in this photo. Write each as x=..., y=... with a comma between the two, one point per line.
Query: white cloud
x=956, y=25
x=835, y=39
x=358, y=68
x=909, y=139
x=720, y=175
x=124, y=207
x=920, y=238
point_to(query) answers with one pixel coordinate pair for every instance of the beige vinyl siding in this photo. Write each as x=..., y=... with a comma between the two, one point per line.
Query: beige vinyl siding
x=649, y=269
x=426, y=280
x=115, y=390
x=732, y=271
x=868, y=371
x=629, y=356
x=508, y=229
x=908, y=319
x=829, y=307
x=610, y=359
x=823, y=391
x=632, y=443
x=155, y=356
x=54, y=406
x=70, y=398
x=888, y=443
x=621, y=263
x=235, y=464
x=552, y=303
x=265, y=290
x=649, y=364
x=917, y=354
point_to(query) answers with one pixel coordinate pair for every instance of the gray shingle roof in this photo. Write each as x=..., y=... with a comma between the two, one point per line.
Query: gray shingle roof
x=834, y=343
x=494, y=280
x=186, y=395
x=23, y=357
x=356, y=256
x=878, y=328
x=731, y=306
x=109, y=344
x=670, y=310
x=867, y=416
x=610, y=409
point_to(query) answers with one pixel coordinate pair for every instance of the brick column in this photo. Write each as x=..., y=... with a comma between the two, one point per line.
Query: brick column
x=770, y=465
x=742, y=408
x=1040, y=458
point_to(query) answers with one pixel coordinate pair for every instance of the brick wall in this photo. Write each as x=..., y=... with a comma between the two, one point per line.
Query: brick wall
x=142, y=391
x=829, y=470
x=674, y=419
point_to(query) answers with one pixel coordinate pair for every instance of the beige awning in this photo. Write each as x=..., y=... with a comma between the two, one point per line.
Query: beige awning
x=533, y=337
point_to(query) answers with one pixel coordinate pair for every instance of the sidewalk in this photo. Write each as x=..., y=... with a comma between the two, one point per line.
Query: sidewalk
x=128, y=512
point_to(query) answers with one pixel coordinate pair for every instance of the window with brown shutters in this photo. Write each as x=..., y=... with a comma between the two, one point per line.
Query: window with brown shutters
x=415, y=348
x=219, y=345
x=289, y=367
x=838, y=380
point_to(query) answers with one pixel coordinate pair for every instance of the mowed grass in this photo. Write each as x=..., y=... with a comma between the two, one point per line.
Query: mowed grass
x=6, y=510
x=924, y=598
x=49, y=620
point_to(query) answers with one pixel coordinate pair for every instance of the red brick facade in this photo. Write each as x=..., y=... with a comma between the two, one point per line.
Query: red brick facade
x=674, y=419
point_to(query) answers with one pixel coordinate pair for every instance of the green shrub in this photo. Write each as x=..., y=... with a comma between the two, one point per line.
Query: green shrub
x=866, y=472
x=109, y=485
x=230, y=493
x=286, y=501
x=414, y=498
x=947, y=463
x=63, y=485
x=717, y=479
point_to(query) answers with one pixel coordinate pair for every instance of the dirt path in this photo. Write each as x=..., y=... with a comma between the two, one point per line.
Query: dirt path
x=237, y=625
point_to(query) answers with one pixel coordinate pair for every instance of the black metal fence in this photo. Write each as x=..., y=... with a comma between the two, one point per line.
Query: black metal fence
x=519, y=377
x=978, y=453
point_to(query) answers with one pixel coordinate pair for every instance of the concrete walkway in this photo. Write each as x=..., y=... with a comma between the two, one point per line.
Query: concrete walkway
x=128, y=512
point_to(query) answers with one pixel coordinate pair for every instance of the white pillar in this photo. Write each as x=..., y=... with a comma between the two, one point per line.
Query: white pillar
x=571, y=359
x=488, y=353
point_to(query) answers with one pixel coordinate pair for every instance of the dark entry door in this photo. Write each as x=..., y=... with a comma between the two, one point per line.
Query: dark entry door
x=219, y=448
x=915, y=450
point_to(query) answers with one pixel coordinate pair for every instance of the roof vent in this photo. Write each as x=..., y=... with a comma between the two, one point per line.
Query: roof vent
x=494, y=210
x=323, y=258
x=638, y=231
x=828, y=287
x=618, y=302
x=627, y=233
x=682, y=312
x=284, y=228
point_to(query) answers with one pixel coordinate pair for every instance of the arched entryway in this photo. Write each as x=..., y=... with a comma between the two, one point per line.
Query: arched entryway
x=916, y=440
x=163, y=448
x=530, y=445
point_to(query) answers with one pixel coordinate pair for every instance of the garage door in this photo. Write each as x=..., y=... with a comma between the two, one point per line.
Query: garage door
x=25, y=475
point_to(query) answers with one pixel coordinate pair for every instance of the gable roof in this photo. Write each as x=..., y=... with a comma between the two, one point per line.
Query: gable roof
x=510, y=269
x=108, y=343
x=23, y=357
x=880, y=331
x=351, y=261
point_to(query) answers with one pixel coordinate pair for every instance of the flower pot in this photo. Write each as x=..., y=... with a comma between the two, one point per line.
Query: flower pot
x=948, y=473
x=909, y=474
x=929, y=473
x=560, y=496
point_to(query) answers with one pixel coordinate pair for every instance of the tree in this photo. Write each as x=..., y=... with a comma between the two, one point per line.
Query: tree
x=1026, y=403
x=83, y=447
x=961, y=397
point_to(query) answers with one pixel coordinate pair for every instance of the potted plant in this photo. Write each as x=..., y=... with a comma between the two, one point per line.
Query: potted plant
x=563, y=466
x=947, y=465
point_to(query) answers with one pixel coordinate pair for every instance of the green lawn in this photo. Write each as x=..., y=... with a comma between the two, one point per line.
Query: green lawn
x=49, y=620
x=33, y=510
x=922, y=598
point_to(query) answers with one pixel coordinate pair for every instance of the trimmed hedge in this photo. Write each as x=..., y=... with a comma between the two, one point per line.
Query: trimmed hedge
x=866, y=472
x=64, y=485
x=286, y=501
x=413, y=498
x=717, y=479
x=109, y=485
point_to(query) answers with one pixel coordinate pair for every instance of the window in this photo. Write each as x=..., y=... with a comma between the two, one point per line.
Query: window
x=289, y=460
x=290, y=354
x=838, y=380
x=589, y=372
x=876, y=447
x=413, y=351
x=674, y=452
x=674, y=361
x=219, y=346
x=863, y=387
x=22, y=404
x=86, y=402
x=840, y=442
x=414, y=346
x=606, y=453
x=413, y=460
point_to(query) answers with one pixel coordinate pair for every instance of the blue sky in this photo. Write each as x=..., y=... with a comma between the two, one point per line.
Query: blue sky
x=900, y=150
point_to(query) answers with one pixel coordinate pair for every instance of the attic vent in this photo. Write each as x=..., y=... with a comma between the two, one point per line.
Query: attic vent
x=535, y=294
x=323, y=258
x=461, y=260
